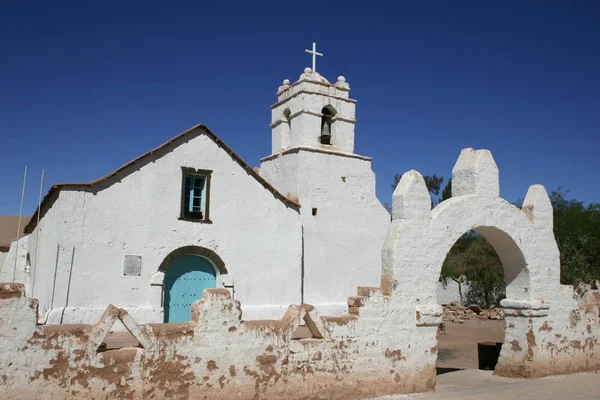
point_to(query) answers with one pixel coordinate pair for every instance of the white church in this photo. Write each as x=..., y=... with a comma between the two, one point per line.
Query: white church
x=304, y=227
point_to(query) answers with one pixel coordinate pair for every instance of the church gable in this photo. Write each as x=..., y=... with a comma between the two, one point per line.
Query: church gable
x=197, y=179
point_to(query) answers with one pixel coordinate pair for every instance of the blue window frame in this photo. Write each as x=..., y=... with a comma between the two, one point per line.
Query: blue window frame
x=195, y=194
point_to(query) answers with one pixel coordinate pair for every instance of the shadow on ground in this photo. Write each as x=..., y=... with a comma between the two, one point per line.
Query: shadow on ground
x=441, y=371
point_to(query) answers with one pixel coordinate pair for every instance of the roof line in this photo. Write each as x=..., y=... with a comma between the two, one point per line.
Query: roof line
x=198, y=129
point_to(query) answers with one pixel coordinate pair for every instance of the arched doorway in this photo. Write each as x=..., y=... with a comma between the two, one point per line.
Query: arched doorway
x=473, y=328
x=184, y=283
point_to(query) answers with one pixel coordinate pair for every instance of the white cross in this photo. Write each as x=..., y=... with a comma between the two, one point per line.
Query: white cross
x=314, y=54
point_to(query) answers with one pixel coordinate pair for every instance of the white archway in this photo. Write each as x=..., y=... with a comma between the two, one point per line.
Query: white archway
x=420, y=238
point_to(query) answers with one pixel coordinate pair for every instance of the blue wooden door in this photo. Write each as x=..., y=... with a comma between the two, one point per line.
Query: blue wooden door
x=185, y=280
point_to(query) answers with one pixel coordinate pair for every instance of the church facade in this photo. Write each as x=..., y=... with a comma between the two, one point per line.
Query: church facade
x=304, y=227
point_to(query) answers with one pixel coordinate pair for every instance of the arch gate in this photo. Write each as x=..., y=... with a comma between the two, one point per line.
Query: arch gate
x=419, y=239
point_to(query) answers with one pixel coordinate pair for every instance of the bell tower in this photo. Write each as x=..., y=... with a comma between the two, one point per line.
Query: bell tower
x=312, y=112
x=313, y=162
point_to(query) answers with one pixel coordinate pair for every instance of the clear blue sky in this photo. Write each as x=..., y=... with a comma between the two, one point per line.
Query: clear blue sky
x=87, y=86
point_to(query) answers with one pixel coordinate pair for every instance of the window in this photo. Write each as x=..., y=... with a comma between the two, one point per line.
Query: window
x=195, y=195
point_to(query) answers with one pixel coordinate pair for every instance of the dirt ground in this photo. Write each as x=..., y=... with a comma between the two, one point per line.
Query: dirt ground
x=457, y=347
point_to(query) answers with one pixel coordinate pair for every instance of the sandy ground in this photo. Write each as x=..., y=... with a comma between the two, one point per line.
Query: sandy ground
x=457, y=347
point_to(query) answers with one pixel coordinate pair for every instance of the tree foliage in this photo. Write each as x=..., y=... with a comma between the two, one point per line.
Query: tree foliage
x=577, y=233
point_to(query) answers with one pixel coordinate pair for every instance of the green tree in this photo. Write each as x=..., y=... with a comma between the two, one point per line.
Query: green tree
x=484, y=272
x=447, y=192
x=577, y=233
x=455, y=267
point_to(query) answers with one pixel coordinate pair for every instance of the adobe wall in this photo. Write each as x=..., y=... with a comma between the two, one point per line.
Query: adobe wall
x=214, y=356
x=560, y=337
x=376, y=350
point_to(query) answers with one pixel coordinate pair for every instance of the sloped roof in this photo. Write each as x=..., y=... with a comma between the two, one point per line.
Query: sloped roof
x=8, y=230
x=139, y=162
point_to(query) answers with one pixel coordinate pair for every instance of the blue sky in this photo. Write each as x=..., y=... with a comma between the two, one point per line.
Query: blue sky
x=87, y=86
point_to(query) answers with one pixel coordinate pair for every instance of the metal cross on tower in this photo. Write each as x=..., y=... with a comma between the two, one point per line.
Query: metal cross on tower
x=314, y=56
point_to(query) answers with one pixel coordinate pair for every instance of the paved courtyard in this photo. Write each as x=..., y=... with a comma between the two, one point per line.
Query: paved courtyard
x=476, y=384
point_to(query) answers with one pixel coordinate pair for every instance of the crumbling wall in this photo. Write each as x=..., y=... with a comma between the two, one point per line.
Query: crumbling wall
x=216, y=355
x=559, y=336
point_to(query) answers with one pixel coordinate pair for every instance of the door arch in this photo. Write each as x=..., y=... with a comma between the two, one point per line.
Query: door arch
x=185, y=280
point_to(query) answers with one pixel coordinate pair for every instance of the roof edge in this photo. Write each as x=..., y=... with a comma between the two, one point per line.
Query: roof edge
x=198, y=129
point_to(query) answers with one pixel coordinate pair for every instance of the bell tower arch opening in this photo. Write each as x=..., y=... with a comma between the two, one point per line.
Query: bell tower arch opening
x=328, y=113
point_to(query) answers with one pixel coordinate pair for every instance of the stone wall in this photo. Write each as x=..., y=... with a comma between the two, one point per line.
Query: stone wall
x=459, y=314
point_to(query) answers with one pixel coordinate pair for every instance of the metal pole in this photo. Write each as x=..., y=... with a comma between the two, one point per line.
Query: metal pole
x=19, y=226
x=68, y=286
x=55, y=270
x=37, y=234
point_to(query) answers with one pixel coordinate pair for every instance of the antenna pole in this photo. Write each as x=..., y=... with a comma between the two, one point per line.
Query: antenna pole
x=19, y=225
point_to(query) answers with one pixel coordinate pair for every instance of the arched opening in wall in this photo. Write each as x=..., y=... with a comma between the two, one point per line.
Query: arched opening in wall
x=475, y=275
x=328, y=112
x=287, y=114
x=185, y=281
x=187, y=272
x=286, y=137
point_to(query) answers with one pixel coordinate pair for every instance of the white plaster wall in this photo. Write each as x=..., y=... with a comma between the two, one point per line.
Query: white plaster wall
x=3, y=255
x=11, y=271
x=342, y=243
x=557, y=336
x=53, y=246
x=343, y=135
x=283, y=172
x=86, y=235
x=446, y=294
